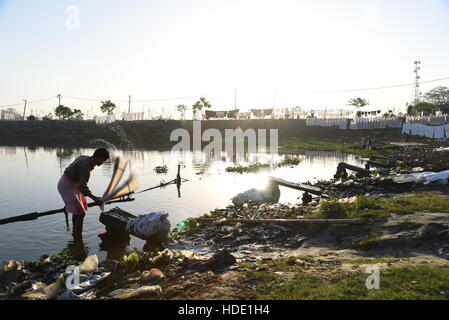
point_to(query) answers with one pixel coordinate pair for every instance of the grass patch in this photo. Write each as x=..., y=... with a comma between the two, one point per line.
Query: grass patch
x=421, y=282
x=378, y=209
x=332, y=146
x=333, y=209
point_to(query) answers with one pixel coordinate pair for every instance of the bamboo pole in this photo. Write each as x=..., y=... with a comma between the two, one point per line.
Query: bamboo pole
x=286, y=221
x=36, y=215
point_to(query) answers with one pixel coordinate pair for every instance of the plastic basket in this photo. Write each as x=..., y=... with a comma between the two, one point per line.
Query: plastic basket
x=116, y=219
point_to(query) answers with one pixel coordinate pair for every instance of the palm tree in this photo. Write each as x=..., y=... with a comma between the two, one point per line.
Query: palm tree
x=182, y=108
x=199, y=106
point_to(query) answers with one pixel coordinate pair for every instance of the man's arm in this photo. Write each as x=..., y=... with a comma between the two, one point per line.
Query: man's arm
x=84, y=179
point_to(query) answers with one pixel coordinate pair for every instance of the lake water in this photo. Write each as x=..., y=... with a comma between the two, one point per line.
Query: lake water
x=29, y=176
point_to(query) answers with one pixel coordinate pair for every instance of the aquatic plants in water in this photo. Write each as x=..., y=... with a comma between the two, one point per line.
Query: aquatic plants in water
x=289, y=161
x=251, y=168
x=161, y=169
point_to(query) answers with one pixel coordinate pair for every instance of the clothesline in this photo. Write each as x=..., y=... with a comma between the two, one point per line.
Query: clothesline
x=432, y=132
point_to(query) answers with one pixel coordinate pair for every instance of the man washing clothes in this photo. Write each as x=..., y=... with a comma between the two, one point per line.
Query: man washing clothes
x=73, y=187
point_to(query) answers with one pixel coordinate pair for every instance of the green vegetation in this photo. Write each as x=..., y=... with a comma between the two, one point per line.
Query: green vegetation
x=198, y=107
x=251, y=168
x=108, y=107
x=65, y=113
x=332, y=146
x=161, y=169
x=303, y=278
x=377, y=209
x=332, y=209
x=289, y=161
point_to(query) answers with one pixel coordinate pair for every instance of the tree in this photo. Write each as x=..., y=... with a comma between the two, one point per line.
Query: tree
x=108, y=107
x=182, y=108
x=63, y=112
x=425, y=108
x=31, y=118
x=77, y=114
x=358, y=102
x=48, y=117
x=439, y=96
x=199, y=106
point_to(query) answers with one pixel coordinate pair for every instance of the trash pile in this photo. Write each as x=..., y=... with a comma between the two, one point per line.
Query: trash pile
x=270, y=194
x=424, y=177
x=217, y=234
x=139, y=275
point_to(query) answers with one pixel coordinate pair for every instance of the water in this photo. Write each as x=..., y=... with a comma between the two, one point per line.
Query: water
x=29, y=177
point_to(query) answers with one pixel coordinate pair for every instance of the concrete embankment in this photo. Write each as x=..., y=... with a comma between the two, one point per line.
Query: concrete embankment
x=143, y=134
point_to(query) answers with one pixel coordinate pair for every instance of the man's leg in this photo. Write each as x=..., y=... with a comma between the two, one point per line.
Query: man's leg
x=77, y=223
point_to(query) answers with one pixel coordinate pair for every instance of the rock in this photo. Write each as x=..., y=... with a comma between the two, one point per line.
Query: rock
x=89, y=265
x=154, y=275
x=136, y=293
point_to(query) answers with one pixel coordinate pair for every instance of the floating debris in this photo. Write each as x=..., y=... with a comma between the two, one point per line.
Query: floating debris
x=161, y=169
x=249, y=169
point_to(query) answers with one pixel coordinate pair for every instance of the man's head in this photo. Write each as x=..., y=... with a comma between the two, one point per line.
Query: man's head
x=100, y=156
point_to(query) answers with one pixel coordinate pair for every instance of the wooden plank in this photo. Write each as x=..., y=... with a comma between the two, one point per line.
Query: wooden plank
x=285, y=221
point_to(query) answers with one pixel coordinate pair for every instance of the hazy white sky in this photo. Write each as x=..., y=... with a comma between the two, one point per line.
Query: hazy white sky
x=180, y=48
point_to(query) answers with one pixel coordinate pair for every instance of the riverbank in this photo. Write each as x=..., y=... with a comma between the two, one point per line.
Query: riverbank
x=156, y=133
x=404, y=235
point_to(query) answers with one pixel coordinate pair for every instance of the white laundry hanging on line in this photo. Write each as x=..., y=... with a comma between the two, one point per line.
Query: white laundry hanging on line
x=421, y=130
x=446, y=129
x=429, y=131
x=406, y=128
x=439, y=132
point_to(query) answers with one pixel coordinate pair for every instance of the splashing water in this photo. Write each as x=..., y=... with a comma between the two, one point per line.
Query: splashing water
x=114, y=153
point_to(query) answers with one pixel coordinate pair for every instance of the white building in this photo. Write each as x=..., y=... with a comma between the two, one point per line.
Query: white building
x=10, y=114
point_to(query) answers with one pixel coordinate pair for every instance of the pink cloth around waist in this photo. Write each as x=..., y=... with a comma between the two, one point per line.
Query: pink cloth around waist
x=74, y=200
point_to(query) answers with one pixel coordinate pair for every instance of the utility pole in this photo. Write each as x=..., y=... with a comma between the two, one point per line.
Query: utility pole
x=24, y=108
x=59, y=99
x=417, y=79
x=235, y=98
x=129, y=104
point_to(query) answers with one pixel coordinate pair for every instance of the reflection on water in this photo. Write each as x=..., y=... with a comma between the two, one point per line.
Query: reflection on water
x=29, y=177
x=77, y=250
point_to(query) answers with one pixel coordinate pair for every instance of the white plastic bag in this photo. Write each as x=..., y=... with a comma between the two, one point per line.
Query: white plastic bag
x=151, y=224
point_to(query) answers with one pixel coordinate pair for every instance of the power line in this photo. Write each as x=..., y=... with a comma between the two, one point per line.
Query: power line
x=29, y=102
x=149, y=100
x=226, y=91
x=375, y=88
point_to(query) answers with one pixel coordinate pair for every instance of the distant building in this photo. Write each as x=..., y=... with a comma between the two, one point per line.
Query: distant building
x=10, y=114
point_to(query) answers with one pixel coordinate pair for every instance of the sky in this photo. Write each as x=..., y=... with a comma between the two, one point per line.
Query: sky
x=280, y=53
